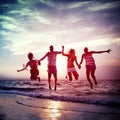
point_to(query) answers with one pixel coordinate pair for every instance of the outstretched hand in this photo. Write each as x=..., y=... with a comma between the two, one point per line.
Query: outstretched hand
x=109, y=50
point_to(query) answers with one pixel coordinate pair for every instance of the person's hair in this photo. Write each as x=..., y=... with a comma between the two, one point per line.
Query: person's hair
x=30, y=55
x=71, y=51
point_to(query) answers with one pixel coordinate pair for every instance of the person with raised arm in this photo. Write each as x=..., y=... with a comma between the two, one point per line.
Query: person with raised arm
x=70, y=63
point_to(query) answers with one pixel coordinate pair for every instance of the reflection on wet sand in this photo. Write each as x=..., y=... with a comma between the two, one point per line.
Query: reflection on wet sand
x=54, y=111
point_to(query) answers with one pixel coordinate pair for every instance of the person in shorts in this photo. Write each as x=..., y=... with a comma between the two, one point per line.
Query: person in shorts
x=52, y=70
x=90, y=64
x=70, y=63
x=33, y=67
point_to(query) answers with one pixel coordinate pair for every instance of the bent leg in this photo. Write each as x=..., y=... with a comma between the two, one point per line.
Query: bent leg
x=76, y=75
x=70, y=76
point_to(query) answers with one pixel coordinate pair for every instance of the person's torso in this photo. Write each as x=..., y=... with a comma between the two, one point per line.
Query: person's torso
x=52, y=58
x=71, y=60
x=89, y=58
x=33, y=64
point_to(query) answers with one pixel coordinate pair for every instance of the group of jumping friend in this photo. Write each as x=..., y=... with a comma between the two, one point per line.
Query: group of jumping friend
x=52, y=70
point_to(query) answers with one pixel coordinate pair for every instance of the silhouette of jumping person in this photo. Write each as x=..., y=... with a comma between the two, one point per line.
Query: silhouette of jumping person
x=70, y=64
x=34, y=67
x=90, y=64
x=52, y=69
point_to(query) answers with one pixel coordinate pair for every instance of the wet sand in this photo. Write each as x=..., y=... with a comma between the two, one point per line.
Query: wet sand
x=16, y=107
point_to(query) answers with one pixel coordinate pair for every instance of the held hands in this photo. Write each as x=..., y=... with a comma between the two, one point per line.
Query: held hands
x=79, y=66
x=39, y=62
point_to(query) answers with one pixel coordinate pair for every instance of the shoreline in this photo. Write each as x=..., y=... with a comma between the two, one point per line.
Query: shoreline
x=18, y=107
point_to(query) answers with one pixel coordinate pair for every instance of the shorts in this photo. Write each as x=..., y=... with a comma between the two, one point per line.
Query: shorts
x=34, y=74
x=71, y=69
x=90, y=67
x=52, y=70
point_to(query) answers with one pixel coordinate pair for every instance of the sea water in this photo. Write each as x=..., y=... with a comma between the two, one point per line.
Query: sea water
x=106, y=93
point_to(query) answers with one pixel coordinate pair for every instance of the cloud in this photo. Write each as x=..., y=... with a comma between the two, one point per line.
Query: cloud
x=64, y=5
x=29, y=15
x=27, y=28
x=25, y=39
x=7, y=18
x=97, y=6
x=116, y=41
x=22, y=1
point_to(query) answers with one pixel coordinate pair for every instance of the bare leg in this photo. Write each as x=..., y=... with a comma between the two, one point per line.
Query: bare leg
x=49, y=80
x=38, y=79
x=93, y=76
x=88, y=78
x=55, y=84
x=49, y=84
x=70, y=76
x=76, y=75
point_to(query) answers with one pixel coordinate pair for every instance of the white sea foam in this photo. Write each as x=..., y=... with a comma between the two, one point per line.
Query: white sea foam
x=106, y=93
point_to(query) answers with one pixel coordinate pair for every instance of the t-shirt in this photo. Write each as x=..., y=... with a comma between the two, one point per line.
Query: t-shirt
x=52, y=58
x=33, y=64
x=89, y=59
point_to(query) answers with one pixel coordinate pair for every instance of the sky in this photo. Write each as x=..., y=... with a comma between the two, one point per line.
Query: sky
x=34, y=25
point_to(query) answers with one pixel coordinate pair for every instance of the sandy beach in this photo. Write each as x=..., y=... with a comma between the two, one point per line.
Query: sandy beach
x=16, y=107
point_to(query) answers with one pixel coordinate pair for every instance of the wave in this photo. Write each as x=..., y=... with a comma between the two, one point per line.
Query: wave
x=83, y=99
x=65, y=106
x=70, y=92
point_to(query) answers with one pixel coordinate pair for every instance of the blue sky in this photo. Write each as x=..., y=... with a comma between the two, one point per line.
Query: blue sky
x=33, y=25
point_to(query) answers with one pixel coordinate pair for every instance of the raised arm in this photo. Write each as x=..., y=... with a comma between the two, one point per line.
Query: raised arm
x=63, y=52
x=99, y=52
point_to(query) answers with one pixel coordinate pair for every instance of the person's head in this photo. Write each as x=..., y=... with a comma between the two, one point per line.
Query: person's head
x=51, y=48
x=30, y=56
x=85, y=49
x=72, y=51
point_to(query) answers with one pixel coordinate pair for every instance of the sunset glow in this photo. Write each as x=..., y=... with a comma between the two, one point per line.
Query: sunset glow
x=32, y=26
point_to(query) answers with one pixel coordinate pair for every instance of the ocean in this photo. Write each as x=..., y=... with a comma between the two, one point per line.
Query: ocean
x=106, y=93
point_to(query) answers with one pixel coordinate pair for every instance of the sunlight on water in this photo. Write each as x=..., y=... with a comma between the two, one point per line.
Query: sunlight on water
x=54, y=110
x=107, y=92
